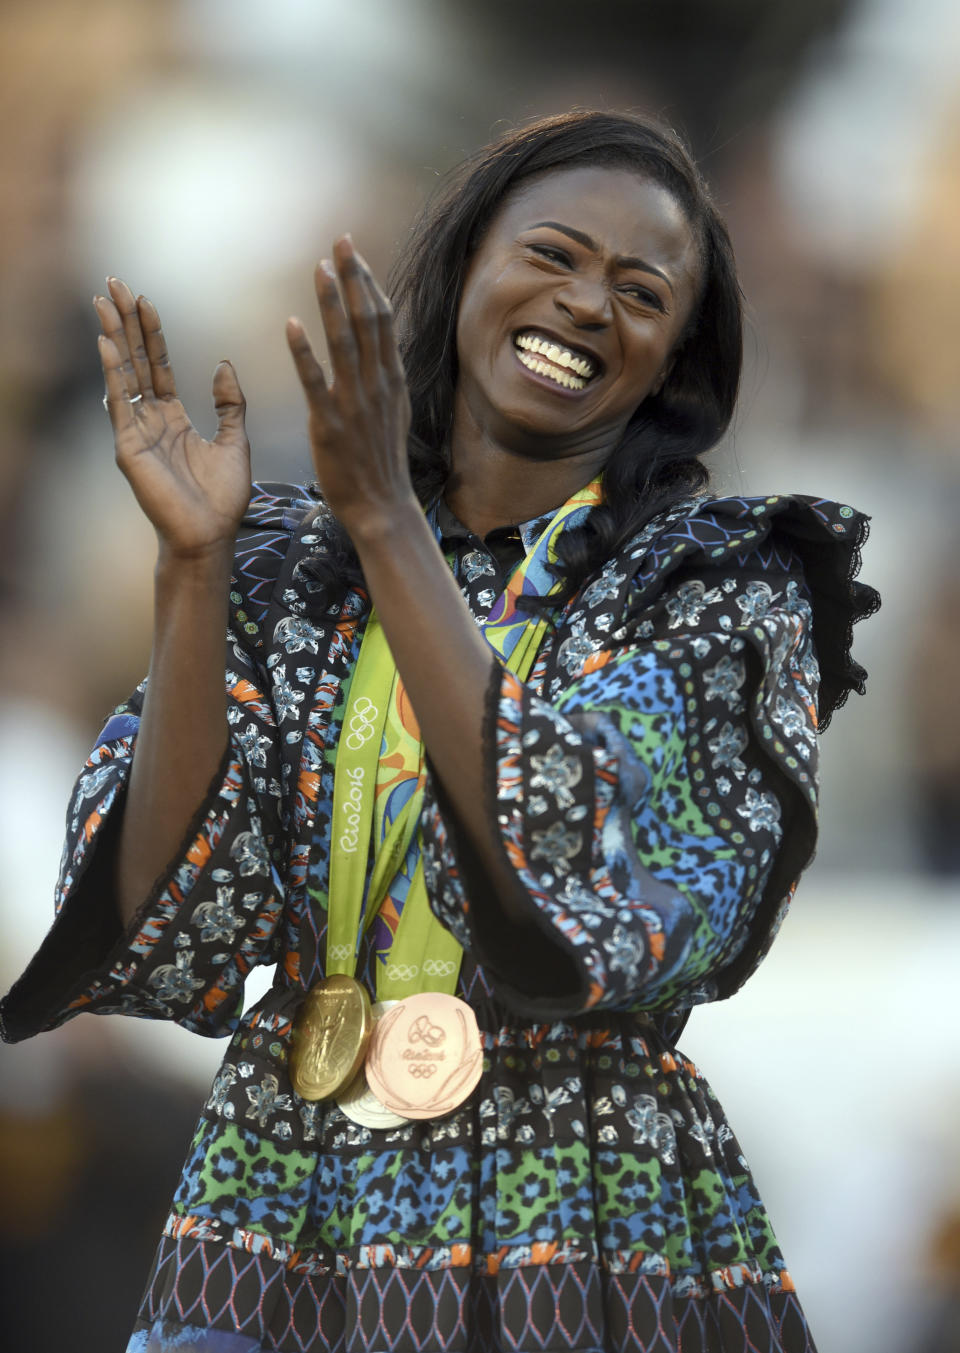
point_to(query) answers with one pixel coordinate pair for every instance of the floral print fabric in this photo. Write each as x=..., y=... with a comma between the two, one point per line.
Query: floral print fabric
x=654, y=787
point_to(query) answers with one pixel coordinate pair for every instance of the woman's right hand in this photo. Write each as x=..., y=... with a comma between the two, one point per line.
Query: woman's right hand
x=194, y=491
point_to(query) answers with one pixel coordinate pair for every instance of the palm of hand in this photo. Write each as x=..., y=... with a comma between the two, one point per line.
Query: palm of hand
x=194, y=491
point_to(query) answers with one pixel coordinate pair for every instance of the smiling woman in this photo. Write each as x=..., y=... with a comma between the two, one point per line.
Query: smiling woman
x=573, y=293
x=513, y=763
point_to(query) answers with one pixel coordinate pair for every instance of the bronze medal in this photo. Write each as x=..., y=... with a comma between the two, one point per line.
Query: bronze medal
x=330, y=1037
x=425, y=1056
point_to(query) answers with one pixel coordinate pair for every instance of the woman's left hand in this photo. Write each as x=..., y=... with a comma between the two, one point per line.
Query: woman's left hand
x=358, y=424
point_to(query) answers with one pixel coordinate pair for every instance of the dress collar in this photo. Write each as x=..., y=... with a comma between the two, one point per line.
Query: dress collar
x=452, y=528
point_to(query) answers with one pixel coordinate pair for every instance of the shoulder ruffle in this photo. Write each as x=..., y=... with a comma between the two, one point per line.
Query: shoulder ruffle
x=273, y=516
x=774, y=534
x=278, y=506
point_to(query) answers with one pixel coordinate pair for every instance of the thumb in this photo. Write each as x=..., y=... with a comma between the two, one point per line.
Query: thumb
x=229, y=403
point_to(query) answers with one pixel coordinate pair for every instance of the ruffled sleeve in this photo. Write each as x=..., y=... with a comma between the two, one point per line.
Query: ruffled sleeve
x=654, y=787
x=213, y=915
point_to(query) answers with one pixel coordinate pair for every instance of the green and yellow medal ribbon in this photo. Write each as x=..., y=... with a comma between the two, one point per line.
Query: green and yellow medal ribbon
x=379, y=750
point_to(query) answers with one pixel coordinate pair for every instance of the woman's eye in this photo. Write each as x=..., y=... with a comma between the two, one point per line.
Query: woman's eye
x=550, y=251
x=644, y=295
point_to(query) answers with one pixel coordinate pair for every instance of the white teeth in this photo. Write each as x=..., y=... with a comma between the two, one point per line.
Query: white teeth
x=565, y=378
x=561, y=357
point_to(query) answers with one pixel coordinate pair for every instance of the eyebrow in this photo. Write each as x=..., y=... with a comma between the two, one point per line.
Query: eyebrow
x=624, y=261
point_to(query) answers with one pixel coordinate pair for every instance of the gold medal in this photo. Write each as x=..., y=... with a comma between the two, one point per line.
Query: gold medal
x=330, y=1037
x=425, y=1056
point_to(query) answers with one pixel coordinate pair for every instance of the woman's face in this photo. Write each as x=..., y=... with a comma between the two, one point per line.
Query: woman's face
x=571, y=308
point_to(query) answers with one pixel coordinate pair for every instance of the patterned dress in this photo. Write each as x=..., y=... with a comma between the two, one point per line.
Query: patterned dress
x=654, y=786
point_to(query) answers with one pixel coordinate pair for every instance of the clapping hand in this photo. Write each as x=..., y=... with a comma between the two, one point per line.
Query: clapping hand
x=358, y=423
x=194, y=491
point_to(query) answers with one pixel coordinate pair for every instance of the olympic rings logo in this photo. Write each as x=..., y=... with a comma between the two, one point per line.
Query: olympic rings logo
x=422, y=1070
x=361, y=723
x=402, y=972
x=438, y=967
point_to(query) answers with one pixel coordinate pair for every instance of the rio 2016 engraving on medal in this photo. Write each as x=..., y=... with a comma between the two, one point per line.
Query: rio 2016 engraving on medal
x=330, y=1037
x=425, y=1056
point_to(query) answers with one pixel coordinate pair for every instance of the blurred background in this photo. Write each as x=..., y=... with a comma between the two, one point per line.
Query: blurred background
x=208, y=151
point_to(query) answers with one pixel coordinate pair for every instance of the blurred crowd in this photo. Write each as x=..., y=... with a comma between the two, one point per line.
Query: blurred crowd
x=208, y=151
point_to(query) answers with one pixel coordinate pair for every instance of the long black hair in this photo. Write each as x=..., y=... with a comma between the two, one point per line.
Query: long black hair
x=657, y=460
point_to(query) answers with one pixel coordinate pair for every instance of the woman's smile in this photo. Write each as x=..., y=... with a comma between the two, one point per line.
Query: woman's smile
x=545, y=356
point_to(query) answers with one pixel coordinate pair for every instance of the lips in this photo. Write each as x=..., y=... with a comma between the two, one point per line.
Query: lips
x=541, y=353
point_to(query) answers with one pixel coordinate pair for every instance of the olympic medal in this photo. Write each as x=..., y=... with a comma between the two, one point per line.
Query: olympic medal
x=359, y=1103
x=425, y=1056
x=330, y=1037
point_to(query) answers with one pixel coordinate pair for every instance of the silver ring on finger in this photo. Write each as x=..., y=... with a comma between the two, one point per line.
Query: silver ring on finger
x=132, y=400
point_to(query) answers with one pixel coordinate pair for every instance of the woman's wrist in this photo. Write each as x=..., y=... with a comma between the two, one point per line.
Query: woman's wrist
x=385, y=526
x=201, y=566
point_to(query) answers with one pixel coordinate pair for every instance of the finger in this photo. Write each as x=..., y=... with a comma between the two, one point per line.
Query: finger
x=125, y=302
x=111, y=325
x=337, y=328
x=117, y=397
x=386, y=333
x=308, y=368
x=161, y=372
x=230, y=405
x=360, y=306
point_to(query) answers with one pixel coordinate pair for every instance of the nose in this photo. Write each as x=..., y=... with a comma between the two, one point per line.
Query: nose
x=586, y=302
